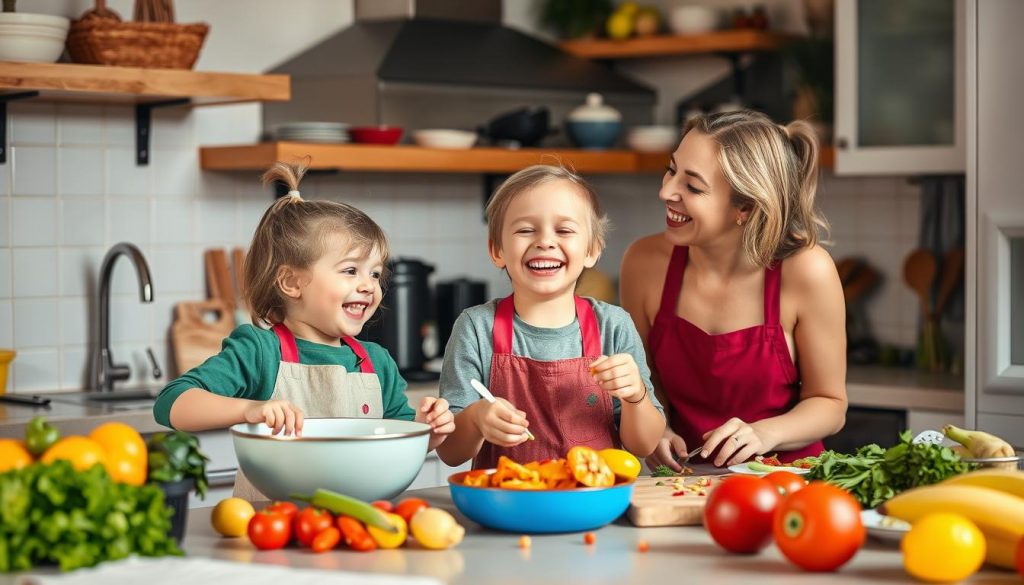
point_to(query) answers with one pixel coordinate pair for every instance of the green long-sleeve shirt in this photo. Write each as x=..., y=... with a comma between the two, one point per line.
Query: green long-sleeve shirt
x=247, y=365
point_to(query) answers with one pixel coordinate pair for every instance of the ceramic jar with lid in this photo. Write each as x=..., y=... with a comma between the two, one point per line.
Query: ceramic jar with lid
x=594, y=125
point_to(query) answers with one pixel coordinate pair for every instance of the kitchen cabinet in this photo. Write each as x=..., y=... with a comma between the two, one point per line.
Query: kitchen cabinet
x=900, y=87
x=995, y=220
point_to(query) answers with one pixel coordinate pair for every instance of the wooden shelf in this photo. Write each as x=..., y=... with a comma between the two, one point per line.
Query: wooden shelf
x=94, y=83
x=726, y=41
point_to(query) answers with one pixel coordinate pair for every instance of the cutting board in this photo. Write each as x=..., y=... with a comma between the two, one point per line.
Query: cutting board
x=198, y=330
x=654, y=505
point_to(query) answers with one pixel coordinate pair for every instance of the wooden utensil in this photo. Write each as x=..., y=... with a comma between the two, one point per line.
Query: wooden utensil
x=199, y=329
x=238, y=267
x=654, y=505
x=864, y=280
x=952, y=277
x=919, y=272
x=218, y=277
x=847, y=267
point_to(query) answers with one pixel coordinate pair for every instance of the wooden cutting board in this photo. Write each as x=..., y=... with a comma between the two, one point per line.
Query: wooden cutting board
x=198, y=330
x=654, y=505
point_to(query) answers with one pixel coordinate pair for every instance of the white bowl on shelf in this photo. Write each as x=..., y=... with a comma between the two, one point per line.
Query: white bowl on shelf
x=693, y=19
x=443, y=138
x=32, y=37
x=653, y=138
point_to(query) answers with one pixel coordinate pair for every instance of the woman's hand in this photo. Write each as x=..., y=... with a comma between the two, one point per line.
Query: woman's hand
x=670, y=447
x=736, y=442
x=277, y=414
x=619, y=376
x=501, y=423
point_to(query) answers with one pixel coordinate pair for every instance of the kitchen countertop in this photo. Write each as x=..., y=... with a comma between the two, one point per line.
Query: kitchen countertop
x=487, y=556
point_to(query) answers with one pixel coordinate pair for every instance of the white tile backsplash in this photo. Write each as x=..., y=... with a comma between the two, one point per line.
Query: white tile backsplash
x=34, y=171
x=80, y=124
x=36, y=323
x=79, y=271
x=33, y=123
x=178, y=270
x=74, y=366
x=173, y=221
x=37, y=370
x=129, y=220
x=33, y=222
x=216, y=218
x=175, y=172
x=81, y=171
x=124, y=177
x=75, y=313
x=6, y=324
x=119, y=127
x=34, y=272
x=5, y=221
x=5, y=273
x=84, y=222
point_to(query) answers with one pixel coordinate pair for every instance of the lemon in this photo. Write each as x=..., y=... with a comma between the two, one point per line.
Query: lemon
x=943, y=548
x=231, y=517
x=620, y=25
x=623, y=464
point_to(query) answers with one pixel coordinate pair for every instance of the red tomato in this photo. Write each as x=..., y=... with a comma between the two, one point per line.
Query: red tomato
x=383, y=505
x=326, y=540
x=408, y=507
x=310, y=522
x=287, y=508
x=268, y=530
x=818, y=528
x=355, y=534
x=739, y=511
x=786, y=482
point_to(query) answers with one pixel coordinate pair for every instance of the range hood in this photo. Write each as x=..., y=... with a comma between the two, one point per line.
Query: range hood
x=442, y=63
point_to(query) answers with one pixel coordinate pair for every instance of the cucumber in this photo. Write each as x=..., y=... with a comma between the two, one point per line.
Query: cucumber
x=758, y=466
x=348, y=506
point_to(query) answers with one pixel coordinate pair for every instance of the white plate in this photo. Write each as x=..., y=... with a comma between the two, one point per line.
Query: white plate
x=745, y=468
x=884, y=527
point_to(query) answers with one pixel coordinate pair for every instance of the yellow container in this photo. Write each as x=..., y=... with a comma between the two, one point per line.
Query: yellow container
x=6, y=356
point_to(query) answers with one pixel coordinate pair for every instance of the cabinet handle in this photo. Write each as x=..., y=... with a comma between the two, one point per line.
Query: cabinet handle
x=841, y=143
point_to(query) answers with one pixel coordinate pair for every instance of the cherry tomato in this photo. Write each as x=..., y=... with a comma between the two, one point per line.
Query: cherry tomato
x=269, y=530
x=286, y=508
x=408, y=507
x=384, y=505
x=739, y=511
x=786, y=482
x=326, y=540
x=355, y=534
x=310, y=522
x=818, y=528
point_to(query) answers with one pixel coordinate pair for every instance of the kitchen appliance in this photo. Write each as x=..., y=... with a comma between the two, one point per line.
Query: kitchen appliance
x=442, y=64
x=400, y=321
x=454, y=297
x=525, y=127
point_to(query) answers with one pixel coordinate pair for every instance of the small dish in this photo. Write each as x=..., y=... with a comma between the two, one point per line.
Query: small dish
x=443, y=138
x=386, y=135
x=744, y=468
x=882, y=527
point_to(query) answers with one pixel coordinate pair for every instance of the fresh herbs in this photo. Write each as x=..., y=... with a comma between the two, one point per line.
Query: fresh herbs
x=663, y=471
x=175, y=456
x=873, y=474
x=54, y=514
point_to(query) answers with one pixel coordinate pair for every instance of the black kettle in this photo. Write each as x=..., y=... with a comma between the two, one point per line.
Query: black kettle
x=524, y=127
x=400, y=321
x=454, y=297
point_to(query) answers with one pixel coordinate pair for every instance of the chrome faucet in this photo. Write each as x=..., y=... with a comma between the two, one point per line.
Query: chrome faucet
x=105, y=372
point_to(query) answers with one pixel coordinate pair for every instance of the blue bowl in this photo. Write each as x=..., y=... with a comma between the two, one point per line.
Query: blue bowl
x=595, y=135
x=540, y=511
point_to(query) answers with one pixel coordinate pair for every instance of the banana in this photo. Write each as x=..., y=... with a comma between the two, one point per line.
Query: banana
x=981, y=444
x=999, y=515
x=1003, y=480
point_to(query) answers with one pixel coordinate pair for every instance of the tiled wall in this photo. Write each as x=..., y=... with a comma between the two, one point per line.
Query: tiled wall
x=71, y=189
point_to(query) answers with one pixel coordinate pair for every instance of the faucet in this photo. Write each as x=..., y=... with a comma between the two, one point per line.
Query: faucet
x=105, y=371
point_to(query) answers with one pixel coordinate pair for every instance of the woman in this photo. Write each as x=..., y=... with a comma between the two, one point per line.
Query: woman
x=740, y=309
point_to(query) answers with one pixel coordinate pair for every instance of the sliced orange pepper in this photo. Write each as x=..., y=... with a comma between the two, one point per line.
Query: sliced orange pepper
x=508, y=469
x=518, y=484
x=588, y=468
x=556, y=474
x=477, y=478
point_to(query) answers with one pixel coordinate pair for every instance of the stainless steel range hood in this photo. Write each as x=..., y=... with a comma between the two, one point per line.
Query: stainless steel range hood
x=442, y=63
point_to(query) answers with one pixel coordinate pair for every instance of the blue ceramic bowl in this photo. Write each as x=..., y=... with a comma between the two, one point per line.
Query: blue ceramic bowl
x=369, y=459
x=540, y=511
x=595, y=135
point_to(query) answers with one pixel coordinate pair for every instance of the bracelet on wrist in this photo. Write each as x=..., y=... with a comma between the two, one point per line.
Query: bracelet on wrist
x=641, y=398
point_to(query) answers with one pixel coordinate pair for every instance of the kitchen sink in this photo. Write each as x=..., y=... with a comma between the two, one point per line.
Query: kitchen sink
x=118, y=400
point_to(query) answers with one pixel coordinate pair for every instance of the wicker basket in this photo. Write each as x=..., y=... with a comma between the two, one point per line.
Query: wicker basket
x=101, y=38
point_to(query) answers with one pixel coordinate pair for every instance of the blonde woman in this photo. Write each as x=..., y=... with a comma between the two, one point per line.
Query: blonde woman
x=741, y=311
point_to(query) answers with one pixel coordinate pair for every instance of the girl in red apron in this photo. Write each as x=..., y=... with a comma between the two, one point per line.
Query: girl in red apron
x=569, y=370
x=741, y=310
x=313, y=274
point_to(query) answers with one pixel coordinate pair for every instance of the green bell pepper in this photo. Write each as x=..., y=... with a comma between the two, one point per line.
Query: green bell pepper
x=39, y=435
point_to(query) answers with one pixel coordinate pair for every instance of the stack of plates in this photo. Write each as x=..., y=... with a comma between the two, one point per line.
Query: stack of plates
x=314, y=132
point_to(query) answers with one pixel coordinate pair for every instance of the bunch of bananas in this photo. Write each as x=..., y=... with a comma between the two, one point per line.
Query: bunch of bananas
x=992, y=498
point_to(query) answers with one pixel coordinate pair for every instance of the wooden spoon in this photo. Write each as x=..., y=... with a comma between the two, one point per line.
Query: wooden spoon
x=919, y=272
x=952, y=277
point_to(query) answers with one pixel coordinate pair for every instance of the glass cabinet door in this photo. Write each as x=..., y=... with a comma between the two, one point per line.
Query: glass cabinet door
x=899, y=86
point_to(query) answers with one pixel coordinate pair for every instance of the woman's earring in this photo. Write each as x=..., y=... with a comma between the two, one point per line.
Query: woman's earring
x=739, y=221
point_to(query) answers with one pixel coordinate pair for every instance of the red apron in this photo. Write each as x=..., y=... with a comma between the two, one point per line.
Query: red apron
x=563, y=403
x=709, y=379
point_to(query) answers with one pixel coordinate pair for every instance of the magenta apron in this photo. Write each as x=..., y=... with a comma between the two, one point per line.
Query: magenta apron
x=709, y=379
x=563, y=403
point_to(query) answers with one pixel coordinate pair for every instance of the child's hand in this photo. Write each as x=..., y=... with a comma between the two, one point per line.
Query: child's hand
x=501, y=423
x=619, y=376
x=278, y=414
x=434, y=412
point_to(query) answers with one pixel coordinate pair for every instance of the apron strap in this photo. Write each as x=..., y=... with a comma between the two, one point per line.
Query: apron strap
x=364, y=363
x=289, y=351
x=772, y=288
x=504, y=315
x=674, y=279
